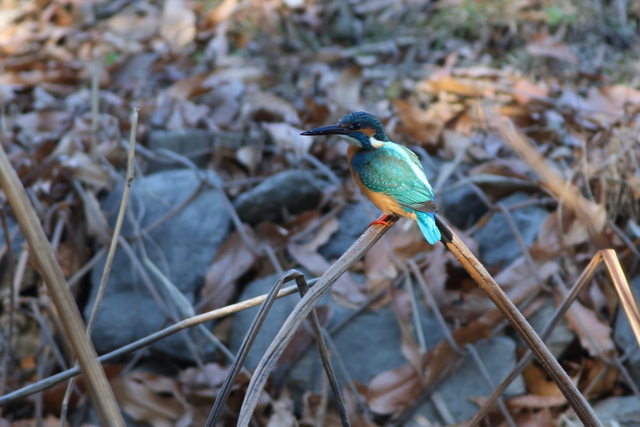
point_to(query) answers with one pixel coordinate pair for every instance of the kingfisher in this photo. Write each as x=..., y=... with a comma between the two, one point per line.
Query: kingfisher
x=389, y=174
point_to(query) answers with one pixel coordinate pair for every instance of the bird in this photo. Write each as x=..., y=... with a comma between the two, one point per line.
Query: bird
x=389, y=174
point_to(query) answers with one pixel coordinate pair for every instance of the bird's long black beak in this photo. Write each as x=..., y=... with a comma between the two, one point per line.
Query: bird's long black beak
x=326, y=130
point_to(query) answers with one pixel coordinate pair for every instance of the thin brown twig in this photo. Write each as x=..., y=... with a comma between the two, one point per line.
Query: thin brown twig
x=86, y=267
x=95, y=100
x=485, y=374
x=119, y=221
x=223, y=395
x=46, y=332
x=582, y=281
x=110, y=255
x=417, y=324
x=627, y=241
x=175, y=210
x=8, y=352
x=300, y=312
x=477, y=271
x=225, y=390
x=218, y=186
x=430, y=302
x=523, y=247
x=324, y=355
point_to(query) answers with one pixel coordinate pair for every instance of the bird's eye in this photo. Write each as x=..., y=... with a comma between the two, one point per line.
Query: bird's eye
x=356, y=126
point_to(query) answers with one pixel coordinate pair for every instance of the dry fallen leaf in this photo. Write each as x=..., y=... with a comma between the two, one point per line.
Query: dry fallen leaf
x=538, y=383
x=462, y=87
x=534, y=401
x=249, y=156
x=621, y=95
x=392, y=391
x=233, y=259
x=220, y=13
x=547, y=46
x=178, y=24
x=191, y=86
x=424, y=126
x=196, y=383
x=149, y=398
x=287, y=137
x=541, y=418
x=401, y=243
x=454, y=143
x=265, y=106
x=138, y=23
x=283, y=413
x=88, y=170
x=411, y=350
x=517, y=280
x=347, y=90
x=524, y=91
x=48, y=421
x=595, y=335
x=345, y=290
x=562, y=230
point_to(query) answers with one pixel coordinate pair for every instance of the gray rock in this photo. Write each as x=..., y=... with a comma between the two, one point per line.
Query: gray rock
x=296, y=190
x=498, y=355
x=354, y=220
x=182, y=248
x=624, y=337
x=496, y=239
x=461, y=206
x=614, y=412
x=17, y=238
x=368, y=344
x=276, y=317
x=560, y=338
x=134, y=72
x=181, y=141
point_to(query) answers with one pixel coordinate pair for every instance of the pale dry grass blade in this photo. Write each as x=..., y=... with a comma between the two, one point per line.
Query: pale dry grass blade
x=624, y=291
x=70, y=319
x=243, y=351
x=593, y=216
x=148, y=340
x=299, y=313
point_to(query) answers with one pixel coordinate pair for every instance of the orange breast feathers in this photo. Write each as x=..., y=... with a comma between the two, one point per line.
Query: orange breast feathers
x=387, y=204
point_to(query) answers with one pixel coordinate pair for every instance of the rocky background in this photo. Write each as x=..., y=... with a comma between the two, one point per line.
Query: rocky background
x=227, y=196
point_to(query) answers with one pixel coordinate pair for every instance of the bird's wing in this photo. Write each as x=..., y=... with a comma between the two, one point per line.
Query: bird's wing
x=394, y=173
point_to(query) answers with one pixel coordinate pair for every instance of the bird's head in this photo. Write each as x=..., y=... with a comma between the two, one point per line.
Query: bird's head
x=360, y=129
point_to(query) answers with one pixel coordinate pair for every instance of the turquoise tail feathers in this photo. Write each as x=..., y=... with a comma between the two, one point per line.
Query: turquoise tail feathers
x=427, y=224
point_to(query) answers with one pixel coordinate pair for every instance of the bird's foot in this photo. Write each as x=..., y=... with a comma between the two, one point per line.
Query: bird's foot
x=384, y=219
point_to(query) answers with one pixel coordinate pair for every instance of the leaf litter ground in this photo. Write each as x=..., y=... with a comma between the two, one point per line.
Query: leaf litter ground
x=254, y=74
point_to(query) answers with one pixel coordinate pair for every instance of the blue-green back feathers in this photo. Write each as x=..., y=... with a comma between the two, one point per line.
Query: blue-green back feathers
x=396, y=171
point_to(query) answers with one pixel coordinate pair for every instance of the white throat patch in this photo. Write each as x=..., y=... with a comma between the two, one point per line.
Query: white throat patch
x=351, y=141
x=375, y=143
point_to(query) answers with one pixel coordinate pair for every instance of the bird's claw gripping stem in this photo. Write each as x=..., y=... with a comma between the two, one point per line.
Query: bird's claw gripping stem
x=384, y=219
